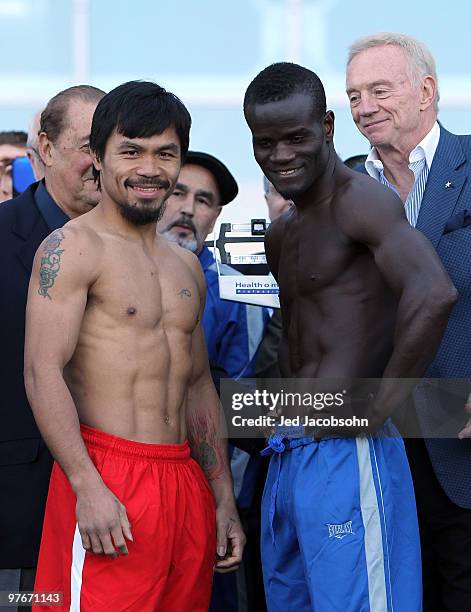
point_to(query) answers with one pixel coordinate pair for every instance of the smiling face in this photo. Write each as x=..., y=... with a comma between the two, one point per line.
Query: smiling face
x=69, y=176
x=192, y=209
x=389, y=109
x=290, y=145
x=138, y=174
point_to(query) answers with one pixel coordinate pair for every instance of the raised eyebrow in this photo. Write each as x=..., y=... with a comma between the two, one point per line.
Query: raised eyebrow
x=180, y=187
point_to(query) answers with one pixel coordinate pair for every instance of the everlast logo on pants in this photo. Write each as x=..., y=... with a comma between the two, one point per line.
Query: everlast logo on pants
x=340, y=531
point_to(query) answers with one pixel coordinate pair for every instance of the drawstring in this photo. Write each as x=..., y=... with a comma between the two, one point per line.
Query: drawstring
x=277, y=444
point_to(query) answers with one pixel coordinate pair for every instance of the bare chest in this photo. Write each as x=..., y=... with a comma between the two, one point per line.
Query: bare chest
x=141, y=291
x=315, y=257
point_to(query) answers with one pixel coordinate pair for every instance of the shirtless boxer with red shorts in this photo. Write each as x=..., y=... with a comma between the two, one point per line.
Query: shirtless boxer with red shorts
x=118, y=378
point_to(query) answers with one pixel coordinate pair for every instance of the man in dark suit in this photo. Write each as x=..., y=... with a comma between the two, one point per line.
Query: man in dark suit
x=68, y=190
x=393, y=93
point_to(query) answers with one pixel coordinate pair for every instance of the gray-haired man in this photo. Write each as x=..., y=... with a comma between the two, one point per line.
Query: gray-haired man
x=393, y=92
x=67, y=191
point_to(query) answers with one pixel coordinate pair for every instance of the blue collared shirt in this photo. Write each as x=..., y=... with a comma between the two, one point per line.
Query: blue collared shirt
x=52, y=214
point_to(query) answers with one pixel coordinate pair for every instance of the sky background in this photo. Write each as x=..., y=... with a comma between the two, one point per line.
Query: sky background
x=207, y=52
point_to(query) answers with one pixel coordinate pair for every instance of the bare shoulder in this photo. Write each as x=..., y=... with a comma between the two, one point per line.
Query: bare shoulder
x=365, y=208
x=75, y=235
x=361, y=192
x=189, y=260
x=277, y=228
x=75, y=249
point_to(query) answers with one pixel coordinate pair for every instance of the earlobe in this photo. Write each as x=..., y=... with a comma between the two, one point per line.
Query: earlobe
x=44, y=149
x=329, y=121
x=96, y=162
x=429, y=88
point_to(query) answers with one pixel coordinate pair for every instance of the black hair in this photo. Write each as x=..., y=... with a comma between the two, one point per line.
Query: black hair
x=13, y=138
x=279, y=81
x=138, y=109
x=53, y=117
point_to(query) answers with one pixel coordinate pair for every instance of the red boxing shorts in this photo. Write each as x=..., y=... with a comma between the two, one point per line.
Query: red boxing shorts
x=171, y=511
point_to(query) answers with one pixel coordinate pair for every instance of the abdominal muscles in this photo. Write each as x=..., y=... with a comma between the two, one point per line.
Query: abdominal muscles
x=132, y=384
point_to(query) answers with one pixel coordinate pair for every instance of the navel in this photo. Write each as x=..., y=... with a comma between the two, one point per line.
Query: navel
x=131, y=310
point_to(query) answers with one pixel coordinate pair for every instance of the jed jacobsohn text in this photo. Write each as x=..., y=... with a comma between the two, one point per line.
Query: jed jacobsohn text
x=297, y=421
x=276, y=401
x=273, y=401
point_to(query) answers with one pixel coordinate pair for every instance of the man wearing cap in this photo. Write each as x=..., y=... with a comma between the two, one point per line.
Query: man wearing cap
x=233, y=330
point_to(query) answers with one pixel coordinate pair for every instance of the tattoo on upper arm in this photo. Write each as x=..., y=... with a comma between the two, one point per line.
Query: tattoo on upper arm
x=50, y=262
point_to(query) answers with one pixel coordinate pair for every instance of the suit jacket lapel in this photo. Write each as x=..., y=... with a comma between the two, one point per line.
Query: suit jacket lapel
x=30, y=227
x=439, y=200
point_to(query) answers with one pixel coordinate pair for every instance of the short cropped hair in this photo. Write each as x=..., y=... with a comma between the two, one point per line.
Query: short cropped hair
x=139, y=109
x=53, y=117
x=421, y=62
x=279, y=81
x=13, y=138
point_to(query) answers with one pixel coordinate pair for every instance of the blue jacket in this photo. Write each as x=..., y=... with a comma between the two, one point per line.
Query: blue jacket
x=233, y=333
x=445, y=218
x=233, y=330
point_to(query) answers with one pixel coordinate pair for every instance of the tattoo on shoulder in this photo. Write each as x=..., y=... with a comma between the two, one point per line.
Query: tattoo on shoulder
x=184, y=293
x=50, y=262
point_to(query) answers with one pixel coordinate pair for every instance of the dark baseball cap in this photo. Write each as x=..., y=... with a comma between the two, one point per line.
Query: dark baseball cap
x=227, y=185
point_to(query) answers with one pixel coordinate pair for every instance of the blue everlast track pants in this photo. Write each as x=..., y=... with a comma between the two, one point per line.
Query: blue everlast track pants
x=339, y=526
